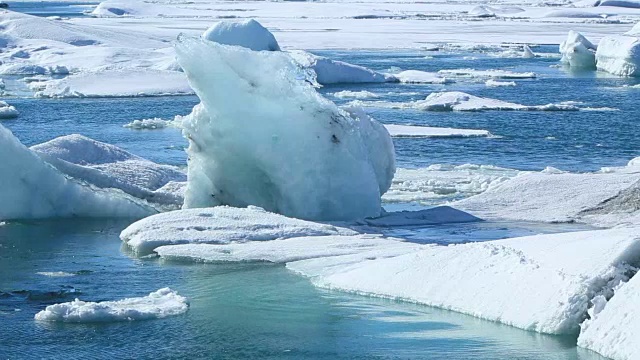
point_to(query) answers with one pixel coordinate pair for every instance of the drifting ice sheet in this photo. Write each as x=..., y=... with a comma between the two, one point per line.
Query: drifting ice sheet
x=158, y=304
x=277, y=153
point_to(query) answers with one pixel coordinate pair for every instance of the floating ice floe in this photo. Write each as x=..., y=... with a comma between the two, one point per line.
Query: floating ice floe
x=613, y=330
x=149, y=124
x=495, y=83
x=428, y=131
x=601, y=198
x=277, y=153
x=460, y=101
x=55, y=273
x=495, y=74
x=619, y=55
x=542, y=283
x=329, y=71
x=441, y=182
x=32, y=188
x=7, y=111
x=158, y=304
x=109, y=167
x=420, y=77
x=578, y=52
x=346, y=94
x=249, y=34
x=219, y=225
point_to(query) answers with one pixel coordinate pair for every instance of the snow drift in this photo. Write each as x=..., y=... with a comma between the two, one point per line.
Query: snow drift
x=277, y=153
x=578, y=52
x=158, y=304
x=30, y=188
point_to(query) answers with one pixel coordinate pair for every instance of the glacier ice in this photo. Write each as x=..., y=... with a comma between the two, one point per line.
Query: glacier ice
x=291, y=151
x=249, y=34
x=30, y=188
x=329, y=71
x=619, y=55
x=578, y=52
x=158, y=304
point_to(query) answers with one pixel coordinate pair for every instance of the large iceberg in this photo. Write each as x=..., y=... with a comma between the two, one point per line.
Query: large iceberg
x=31, y=188
x=263, y=136
x=619, y=55
x=578, y=52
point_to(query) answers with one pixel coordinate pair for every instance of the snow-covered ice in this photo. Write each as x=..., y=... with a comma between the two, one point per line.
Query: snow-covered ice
x=348, y=94
x=540, y=283
x=30, y=188
x=276, y=153
x=329, y=71
x=614, y=330
x=7, y=111
x=249, y=34
x=578, y=52
x=495, y=83
x=428, y=131
x=494, y=74
x=420, y=77
x=149, y=124
x=107, y=166
x=158, y=304
x=219, y=225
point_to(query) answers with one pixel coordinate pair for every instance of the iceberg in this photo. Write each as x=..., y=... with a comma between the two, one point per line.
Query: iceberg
x=291, y=152
x=158, y=304
x=329, y=71
x=613, y=331
x=619, y=55
x=106, y=166
x=249, y=34
x=578, y=52
x=219, y=225
x=30, y=188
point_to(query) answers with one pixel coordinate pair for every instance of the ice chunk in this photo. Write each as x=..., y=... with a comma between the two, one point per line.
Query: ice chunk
x=578, y=52
x=482, y=12
x=619, y=55
x=345, y=94
x=107, y=166
x=433, y=216
x=540, y=283
x=495, y=74
x=282, y=251
x=7, y=111
x=527, y=53
x=495, y=83
x=420, y=77
x=249, y=34
x=30, y=188
x=149, y=124
x=614, y=331
x=219, y=225
x=329, y=71
x=158, y=304
x=276, y=153
x=460, y=101
x=427, y=131
x=534, y=197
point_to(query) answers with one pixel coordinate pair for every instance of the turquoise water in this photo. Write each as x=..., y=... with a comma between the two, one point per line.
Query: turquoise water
x=265, y=311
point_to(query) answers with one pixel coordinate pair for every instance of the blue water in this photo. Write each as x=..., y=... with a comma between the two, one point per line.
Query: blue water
x=265, y=311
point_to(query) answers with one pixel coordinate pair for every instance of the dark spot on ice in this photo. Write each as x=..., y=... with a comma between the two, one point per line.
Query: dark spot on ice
x=335, y=139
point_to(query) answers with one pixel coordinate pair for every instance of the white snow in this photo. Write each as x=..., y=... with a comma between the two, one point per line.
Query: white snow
x=249, y=34
x=219, y=225
x=55, y=273
x=494, y=74
x=346, y=94
x=158, y=304
x=578, y=52
x=535, y=197
x=428, y=131
x=106, y=166
x=540, y=283
x=7, y=111
x=149, y=124
x=329, y=71
x=460, y=101
x=614, y=330
x=30, y=188
x=619, y=55
x=276, y=153
x=495, y=83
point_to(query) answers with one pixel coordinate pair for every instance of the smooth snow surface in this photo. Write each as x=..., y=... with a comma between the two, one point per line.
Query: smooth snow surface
x=107, y=166
x=619, y=55
x=540, y=283
x=535, y=197
x=158, y=304
x=219, y=225
x=578, y=52
x=249, y=34
x=30, y=188
x=427, y=131
x=614, y=331
x=276, y=153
